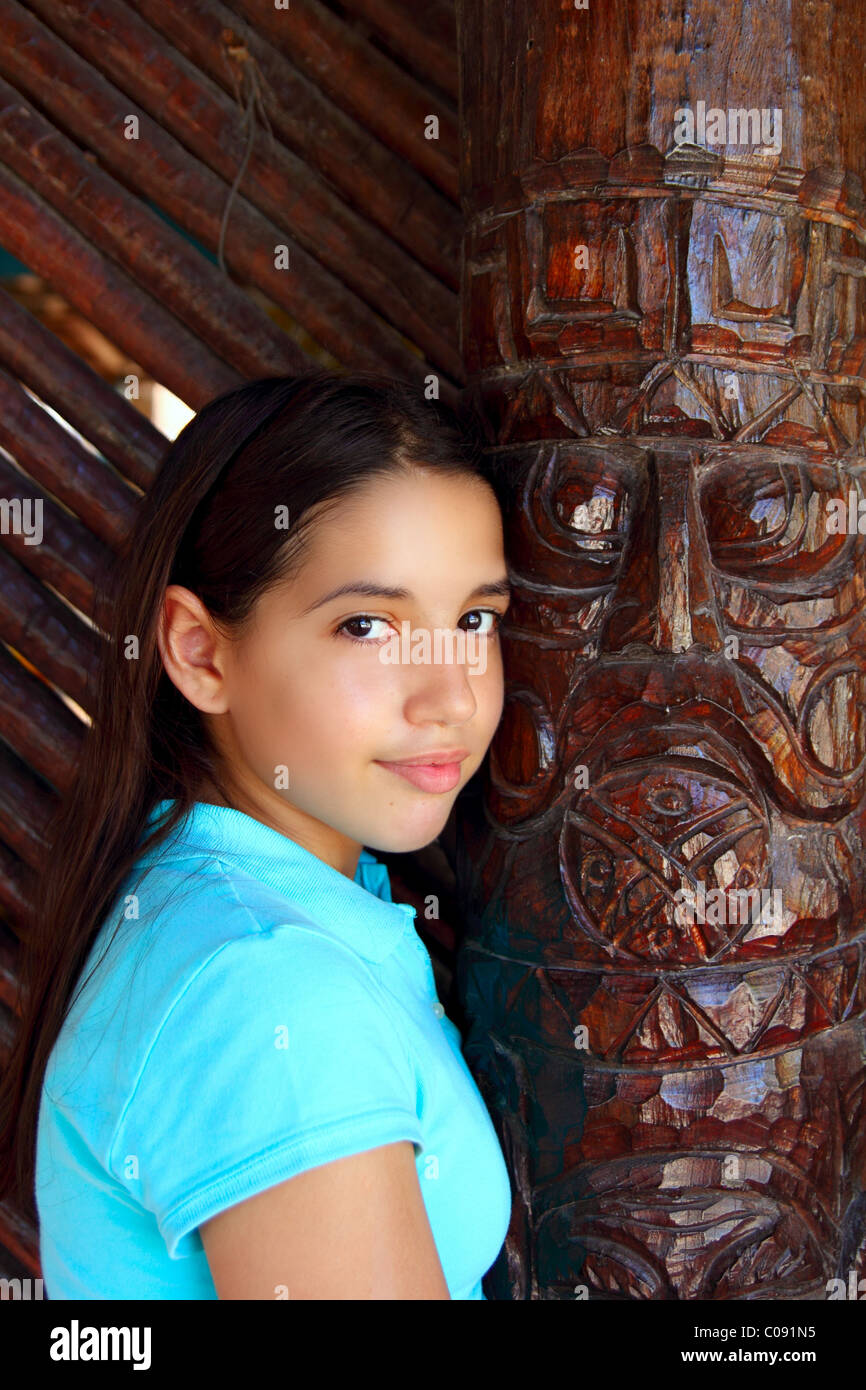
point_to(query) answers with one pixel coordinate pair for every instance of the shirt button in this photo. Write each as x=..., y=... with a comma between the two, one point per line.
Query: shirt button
x=438, y=1009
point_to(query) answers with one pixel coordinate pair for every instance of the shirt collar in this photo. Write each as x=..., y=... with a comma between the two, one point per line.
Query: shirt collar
x=359, y=910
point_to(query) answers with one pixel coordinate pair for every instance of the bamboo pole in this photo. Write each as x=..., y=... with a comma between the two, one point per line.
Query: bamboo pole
x=16, y=888
x=107, y=296
x=41, y=361
x=368, y=176
x=363, y=82
x=17, y=1235
x=69, y=557
x=10, y=949
x=156, y=165
x=277, y=181
x=7, y=1038
x=88, y=487
x=425, y=40
x=156, y=256
x=37, y=725
x=32, y=621
x=26, y=806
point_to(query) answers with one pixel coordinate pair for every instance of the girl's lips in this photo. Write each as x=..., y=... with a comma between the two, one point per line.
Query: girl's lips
x=429, y=777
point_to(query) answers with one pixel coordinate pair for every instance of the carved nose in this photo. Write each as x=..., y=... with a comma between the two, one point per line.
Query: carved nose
x=665, y=597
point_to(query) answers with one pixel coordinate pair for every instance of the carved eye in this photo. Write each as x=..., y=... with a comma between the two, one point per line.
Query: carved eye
x=597, y=871
x=595, y=514
x=592, y=518
x=776, y=520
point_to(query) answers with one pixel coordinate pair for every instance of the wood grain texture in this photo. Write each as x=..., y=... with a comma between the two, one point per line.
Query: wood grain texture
x=664, y=878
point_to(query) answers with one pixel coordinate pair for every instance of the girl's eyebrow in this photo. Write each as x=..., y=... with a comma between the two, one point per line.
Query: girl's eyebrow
x=370, y=589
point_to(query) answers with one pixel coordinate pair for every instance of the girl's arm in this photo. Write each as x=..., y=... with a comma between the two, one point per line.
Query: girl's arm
x=355, y=1228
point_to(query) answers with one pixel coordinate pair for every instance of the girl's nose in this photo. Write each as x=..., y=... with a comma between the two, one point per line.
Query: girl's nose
x=443, y=691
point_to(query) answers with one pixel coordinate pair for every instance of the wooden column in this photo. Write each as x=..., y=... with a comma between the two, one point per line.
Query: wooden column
x=663, y=873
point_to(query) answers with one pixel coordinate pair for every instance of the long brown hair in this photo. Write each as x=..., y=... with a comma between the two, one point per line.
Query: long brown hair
x=208, y=522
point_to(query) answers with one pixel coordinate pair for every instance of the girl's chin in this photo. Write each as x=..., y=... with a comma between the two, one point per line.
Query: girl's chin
x=406, y=839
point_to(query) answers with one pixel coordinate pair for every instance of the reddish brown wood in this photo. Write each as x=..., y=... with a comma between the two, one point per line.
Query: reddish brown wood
x=156, y=256
x=58, y=643
x=669, y=343
x=26, y=805
x=9, y=945
x=16, y=887
x=17, y=1235
x=37, y=725
x=108, y=297
x=41, y=361
x=357, y=78
x=277, y=181
x=69, y=557
x=306, y=216
x=51, y=455
x=88, y=107
x=426, y=40
x=367, y=175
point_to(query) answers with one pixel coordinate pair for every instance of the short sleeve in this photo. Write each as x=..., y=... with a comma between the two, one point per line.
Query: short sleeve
x=281, y=1053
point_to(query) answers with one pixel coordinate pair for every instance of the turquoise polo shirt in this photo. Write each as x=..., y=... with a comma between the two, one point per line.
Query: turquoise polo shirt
x=261, y=1014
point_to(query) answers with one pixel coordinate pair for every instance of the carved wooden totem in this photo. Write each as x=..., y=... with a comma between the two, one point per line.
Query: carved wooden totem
x=663, y=875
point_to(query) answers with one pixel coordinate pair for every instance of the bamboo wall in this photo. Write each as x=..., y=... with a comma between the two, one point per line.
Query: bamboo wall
x=223, y=191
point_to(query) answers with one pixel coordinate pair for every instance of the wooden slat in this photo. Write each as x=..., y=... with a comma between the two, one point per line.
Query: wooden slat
x=363, y=82
x=69, y=557
x=47, y=633
x=366, y=174
x=424, y=39
x=83, y=103
x=279, y=183
x=8, y=1025
x=103, y=502
x=10, y=948
x=157, y=257
x=10, y=1268
x=17, y=1235
x=26, y=806
x=37, y=725
x=107, y=296
x=41, y=361
x=17, y=884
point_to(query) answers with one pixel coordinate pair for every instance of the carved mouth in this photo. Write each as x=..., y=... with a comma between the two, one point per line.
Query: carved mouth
x=683, y=817
x=645, y=708
x=678, y=740
x=647, y=724
x=697, y=734
x=646, y=1241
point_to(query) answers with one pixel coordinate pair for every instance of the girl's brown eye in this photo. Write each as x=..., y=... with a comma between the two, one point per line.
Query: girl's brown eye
x=488, y=612
x=362, y=640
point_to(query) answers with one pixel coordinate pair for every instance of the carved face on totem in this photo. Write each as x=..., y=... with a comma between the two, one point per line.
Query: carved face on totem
x=712, y=741
x=695, y=688
x=670, y=879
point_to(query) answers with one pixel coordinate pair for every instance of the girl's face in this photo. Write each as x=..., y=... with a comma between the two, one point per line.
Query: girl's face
x=308, y=716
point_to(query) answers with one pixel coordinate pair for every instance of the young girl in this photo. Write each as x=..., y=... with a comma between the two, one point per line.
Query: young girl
x=244, y=1083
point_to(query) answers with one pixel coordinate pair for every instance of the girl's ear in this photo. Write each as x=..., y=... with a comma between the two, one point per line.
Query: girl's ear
x=192, y=650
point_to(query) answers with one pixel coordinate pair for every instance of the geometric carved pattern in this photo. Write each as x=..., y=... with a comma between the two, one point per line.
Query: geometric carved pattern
x=673, y=368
